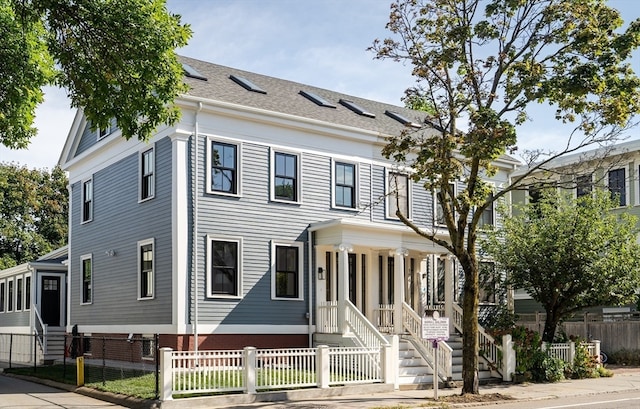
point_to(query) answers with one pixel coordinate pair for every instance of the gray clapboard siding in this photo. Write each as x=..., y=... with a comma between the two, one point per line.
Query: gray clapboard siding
x=119, y=222
x=89, y=138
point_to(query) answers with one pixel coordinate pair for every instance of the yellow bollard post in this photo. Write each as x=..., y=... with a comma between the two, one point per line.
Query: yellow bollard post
x=80, y=371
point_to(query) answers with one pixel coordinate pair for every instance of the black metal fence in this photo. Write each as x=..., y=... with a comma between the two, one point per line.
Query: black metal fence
x=129, y=364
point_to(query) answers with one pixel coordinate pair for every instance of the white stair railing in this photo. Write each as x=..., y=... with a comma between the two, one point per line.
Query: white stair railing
x=413, y=324
x=364, y=331
x=39, y=328
x=489, y=349
x=327, y=319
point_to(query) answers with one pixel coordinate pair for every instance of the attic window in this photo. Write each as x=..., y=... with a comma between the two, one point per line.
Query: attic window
x=317, y=99
x=246, y=84
x=403, y=120
x=356, y=108
x=192, y=72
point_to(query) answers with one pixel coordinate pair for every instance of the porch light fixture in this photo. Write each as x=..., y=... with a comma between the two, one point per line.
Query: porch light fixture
x=320, y=273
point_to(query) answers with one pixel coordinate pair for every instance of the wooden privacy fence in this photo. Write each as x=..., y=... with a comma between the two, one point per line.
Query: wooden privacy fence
x=614, y=333
x=250, y=370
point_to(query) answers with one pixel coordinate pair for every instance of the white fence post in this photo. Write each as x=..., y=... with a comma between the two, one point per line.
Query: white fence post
x=508, y=358
x=572, y=352
x=390, y=361
x=596, y=349
x=166, y=375
x=322, y=366
x=250, y=369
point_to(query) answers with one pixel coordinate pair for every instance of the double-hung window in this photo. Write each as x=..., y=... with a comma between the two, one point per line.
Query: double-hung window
x=438, y=210
x=87, y=279
x=87, y=200
x=345, y=185
x=104, y=132
x=223, y=276
x=286, y=277
x=617, y=186
x=147, y=174
x=286, y=177
x=487, y=277
x=397, y=194
x=10, y=295
x=488, y=214
x=224, y=169
x=584, y=185
x=145, y=269
x=27, y=293
x=19, y=293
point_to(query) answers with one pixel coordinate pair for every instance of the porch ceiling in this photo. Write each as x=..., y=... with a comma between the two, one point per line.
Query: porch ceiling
x=373, y=235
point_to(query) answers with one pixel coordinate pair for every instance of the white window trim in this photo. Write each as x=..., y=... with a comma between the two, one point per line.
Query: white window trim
x=4, y=300
x=575, y=179
x=102, y=133
x=356, y=181
x=11, y=303
x=153, y=269
x=387, y=179
x=19, y=283
x=209, y=141
x=239, y=289
x=300, y=247
x=272, y=171
x=627, y=182
x=436, y=203
x=82, y=259
x=636, y=182
x=27, y=307
x=492, y=186
x=82, y=201
x=151, y=148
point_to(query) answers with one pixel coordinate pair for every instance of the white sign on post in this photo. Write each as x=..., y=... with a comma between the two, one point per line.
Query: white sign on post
x=435, y=329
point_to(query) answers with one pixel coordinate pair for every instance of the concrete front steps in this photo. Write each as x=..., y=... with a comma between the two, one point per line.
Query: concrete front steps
x=415, y=373
x=55, y=344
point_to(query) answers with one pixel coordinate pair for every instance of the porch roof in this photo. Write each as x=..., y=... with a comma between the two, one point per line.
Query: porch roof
x=374, y=235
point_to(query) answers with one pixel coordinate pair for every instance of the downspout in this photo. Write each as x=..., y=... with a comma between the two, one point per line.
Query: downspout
x=312, y=285
x=194, y=240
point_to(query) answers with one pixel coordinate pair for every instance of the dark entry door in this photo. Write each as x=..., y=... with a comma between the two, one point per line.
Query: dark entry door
x=50, y=305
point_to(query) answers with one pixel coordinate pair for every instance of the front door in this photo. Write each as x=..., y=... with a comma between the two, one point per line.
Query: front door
x=50, y=304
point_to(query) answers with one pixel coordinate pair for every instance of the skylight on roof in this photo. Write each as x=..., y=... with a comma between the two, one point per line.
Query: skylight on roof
x=246, y=84
x=192, y=72
x=356, y=108
x=317, y=99
x=403, y=120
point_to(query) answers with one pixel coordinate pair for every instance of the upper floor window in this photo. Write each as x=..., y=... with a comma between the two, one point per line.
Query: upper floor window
x=488, y=214
x=398, y=194
x=87, y=279
x=617, y=186
x=147, y=174
x=103, y=132
x=286, y=275
x=145, y=269
x=2, y=300
x=345, y=185
x=487, y=278
x=223, y=159
x=223, y=268
x=584, y=185
x=87, y=200
x=286, y=177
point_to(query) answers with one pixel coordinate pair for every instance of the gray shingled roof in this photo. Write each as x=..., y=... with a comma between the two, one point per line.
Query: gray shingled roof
x=284, y=97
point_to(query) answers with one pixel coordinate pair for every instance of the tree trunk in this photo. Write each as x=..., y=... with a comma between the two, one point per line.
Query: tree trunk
x=550, y=325
x=470, y=327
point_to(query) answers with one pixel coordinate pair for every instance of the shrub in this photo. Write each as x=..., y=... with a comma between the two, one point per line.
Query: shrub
x=625, y=357
x=584, y=365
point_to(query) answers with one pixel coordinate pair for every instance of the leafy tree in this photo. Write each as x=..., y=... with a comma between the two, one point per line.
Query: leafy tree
x=33, y=213
x=569, y=253
x=483, y=63
x=116, y=58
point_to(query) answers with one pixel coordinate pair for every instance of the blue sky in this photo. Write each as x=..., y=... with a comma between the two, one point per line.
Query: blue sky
x=317, y=42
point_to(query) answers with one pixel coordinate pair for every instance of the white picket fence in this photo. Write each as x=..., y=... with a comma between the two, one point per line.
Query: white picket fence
x=250, y=370
x=567, y=350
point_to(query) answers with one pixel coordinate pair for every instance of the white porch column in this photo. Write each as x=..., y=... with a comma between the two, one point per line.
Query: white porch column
x=343, y=284
x=398, y=288
x=448, y=289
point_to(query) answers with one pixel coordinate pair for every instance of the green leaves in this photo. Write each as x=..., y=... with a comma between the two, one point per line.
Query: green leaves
x=569, y=254
x=115, y=58
x=33, y=213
